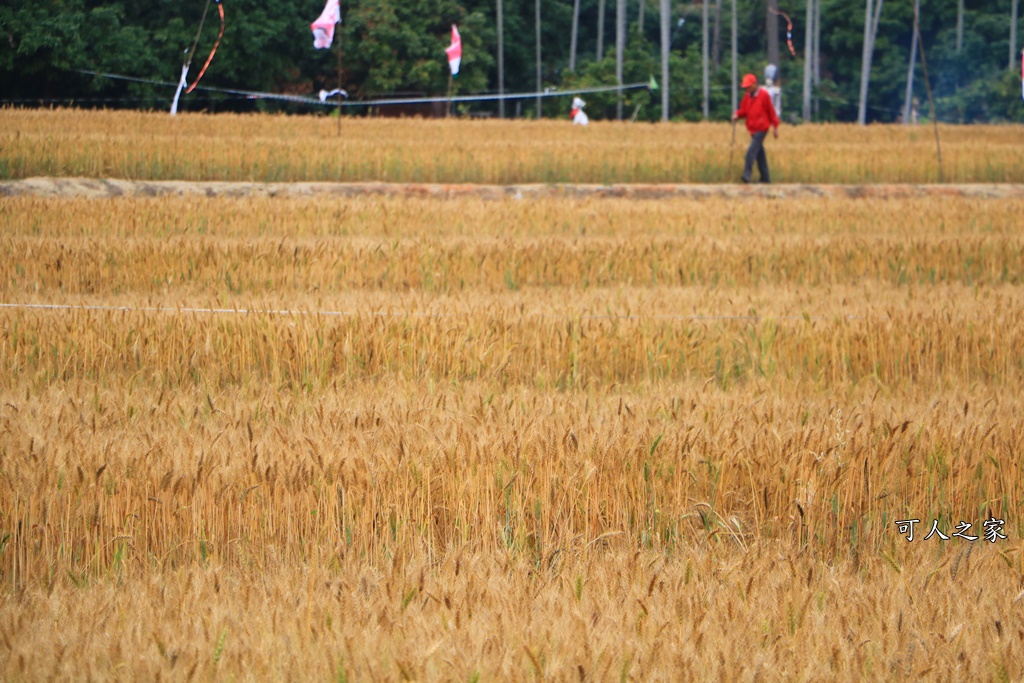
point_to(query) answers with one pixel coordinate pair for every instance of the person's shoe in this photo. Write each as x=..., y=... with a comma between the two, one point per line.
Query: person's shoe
x=766, y=182
x=745, y=180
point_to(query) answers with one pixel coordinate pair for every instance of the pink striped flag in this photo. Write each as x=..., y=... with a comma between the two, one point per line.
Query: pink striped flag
x=323, y=27
x=455, y=51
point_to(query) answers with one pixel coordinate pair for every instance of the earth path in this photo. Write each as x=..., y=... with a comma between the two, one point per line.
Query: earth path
x=107, y=188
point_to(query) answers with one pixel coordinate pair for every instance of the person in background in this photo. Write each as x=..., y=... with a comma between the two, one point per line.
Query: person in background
x=756, y=107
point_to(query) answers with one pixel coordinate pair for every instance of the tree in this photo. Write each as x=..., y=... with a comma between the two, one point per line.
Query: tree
x=872, y=13
x=666, y=36
x=808, y=58
x=908, y=97
x=620, y=48
x=704, y=78
x=1013, y=34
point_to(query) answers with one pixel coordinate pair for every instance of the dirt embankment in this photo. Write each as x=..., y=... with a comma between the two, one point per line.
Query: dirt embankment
x=106, y=188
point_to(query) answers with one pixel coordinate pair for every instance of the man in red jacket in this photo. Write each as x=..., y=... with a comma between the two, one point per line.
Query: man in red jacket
x=756, y=107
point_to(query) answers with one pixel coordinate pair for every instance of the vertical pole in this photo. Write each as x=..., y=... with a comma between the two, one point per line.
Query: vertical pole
x=1013, y=33
x=536, y=7
x=735, y=56
x=772, y=27
x=620, y=48
x=574, y=36
x=865, y=65
x=666, y=37
x=716, y=39
x=448, y=107
x=808, y=58
x=909, y=94
x=959, y=26
x=338, y=32
x=501, y=61
x=704, y=56
x=928, y=87
x=817, y=53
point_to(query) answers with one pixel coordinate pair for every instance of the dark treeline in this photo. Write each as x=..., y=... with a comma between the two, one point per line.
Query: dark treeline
x=393, y=47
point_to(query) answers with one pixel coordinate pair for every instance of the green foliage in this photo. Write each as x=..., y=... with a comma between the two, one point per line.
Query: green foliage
x=395, y=46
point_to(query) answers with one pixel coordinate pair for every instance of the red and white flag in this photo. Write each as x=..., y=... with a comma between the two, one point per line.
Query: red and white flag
x=323, y=27
x=455, y=51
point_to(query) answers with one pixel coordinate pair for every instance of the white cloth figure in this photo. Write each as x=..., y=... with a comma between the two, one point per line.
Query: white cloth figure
x=323, y=27
x=771, y=73
x=324, y=94
x=177, y=93
x=775, y=93
x=454, y=51
x=579, y=118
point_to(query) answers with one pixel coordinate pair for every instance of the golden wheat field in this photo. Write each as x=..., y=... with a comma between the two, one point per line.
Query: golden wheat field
x=155, y=146
x=382, y=438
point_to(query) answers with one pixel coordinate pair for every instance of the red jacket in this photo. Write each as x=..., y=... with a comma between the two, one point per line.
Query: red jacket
x=759, y=112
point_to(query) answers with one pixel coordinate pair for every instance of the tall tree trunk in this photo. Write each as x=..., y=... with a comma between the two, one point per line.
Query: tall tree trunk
x=735, y=57
x=909, y=94
x=666, y=36
x=536, y=9
x=772, y=25
x=865, y=64
x=705, y=85
x=817, y=53
x=620, y=48
x=600, y=30
x=1013, y=34
x=716, y=41
x=808, y=58
x=959, y=25
x=574, y=39
x=872, y=14
x=640, y=17
x=501, y=59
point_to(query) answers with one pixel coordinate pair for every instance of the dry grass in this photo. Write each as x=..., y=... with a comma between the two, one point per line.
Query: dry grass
x=279, y=148
x=561, y=440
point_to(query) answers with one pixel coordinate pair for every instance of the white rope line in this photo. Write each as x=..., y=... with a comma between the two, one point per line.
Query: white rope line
x=256, y=95
x=393, y=314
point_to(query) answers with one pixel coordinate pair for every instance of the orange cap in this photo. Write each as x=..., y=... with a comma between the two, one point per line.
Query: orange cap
x=748, y=80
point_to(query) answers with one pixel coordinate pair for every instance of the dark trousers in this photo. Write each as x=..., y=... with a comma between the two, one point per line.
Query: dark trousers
x=756, y=151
